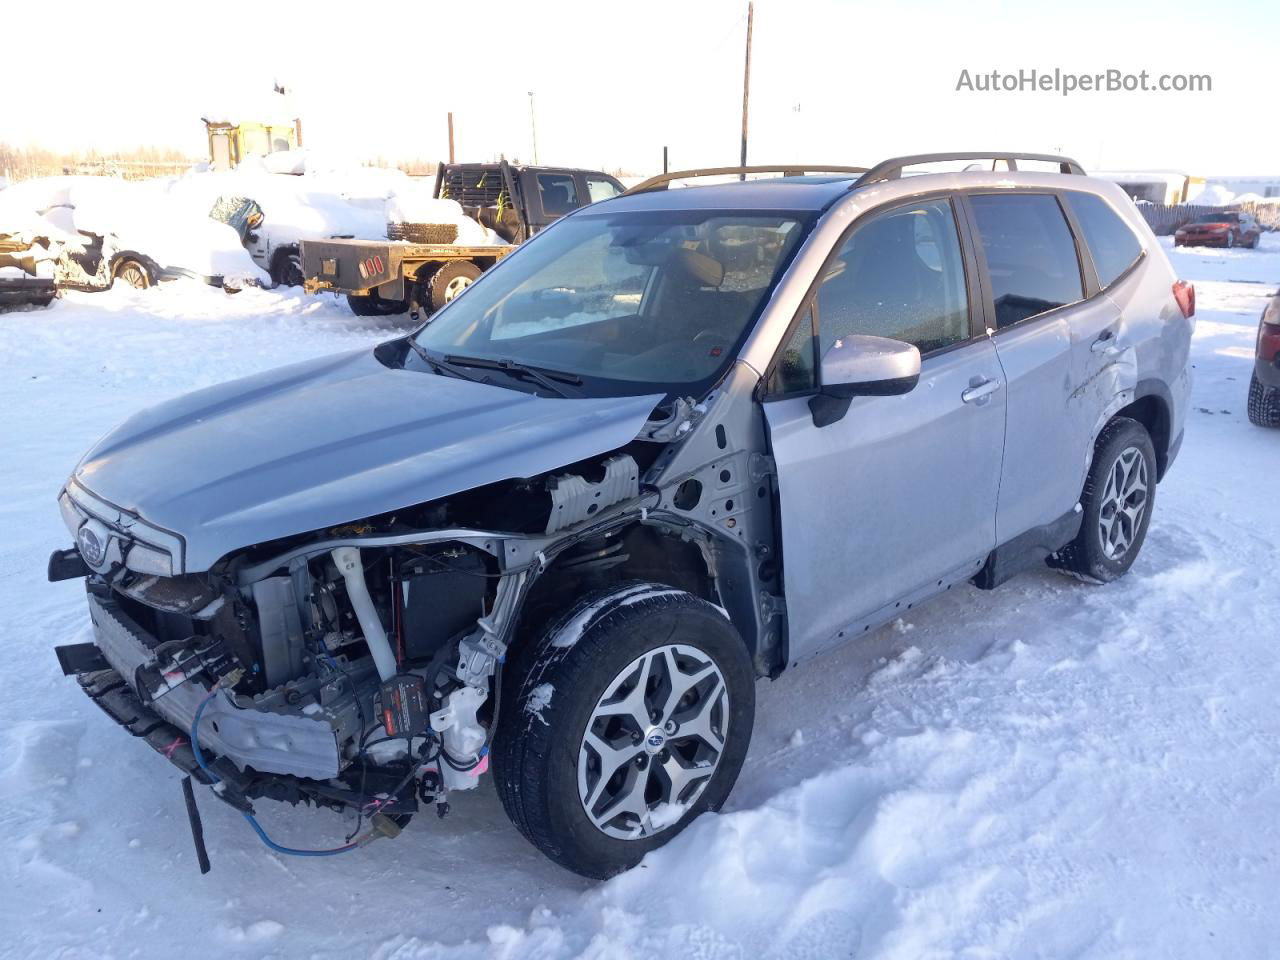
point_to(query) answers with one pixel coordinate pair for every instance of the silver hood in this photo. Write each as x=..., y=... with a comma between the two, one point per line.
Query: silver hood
x=331, y=441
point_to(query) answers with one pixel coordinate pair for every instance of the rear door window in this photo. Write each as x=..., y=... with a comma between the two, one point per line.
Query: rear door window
x=1031, y=255
x=1111, y=243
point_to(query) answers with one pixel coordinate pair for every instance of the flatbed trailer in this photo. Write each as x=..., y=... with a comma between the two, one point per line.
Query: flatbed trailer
x=388, y=269
x=395, y=275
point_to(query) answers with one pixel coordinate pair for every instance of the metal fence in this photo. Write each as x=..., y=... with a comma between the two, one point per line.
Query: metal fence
x=1164, y=219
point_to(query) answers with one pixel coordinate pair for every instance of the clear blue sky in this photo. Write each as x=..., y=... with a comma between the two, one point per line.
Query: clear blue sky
x=846, y=82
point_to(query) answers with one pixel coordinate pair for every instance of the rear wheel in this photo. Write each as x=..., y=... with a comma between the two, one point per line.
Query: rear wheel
x=1118, y=497
x=1264, y=404
x=450, y=280
x=631, y=716
x=374, y=305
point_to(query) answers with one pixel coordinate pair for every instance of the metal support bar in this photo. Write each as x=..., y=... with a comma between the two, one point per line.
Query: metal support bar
x=891, y=169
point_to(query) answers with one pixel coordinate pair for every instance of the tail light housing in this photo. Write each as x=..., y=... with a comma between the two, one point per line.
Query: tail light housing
x=1271, y=316
x=1185, y=294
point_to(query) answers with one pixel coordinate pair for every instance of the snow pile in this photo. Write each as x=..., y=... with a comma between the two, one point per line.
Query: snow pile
x=416, y=204
x=1045, y=770
x=1214, y=195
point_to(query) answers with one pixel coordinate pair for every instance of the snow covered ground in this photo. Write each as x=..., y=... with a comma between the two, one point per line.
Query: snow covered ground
x=1049, y=770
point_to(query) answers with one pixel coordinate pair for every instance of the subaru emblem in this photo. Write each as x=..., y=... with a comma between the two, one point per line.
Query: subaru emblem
x=92, y=543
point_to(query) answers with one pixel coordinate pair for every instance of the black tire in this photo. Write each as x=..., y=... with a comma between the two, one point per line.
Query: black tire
x=536, y=749
x=133, y=272
x=449, y=280
x=423, y=232
x=375, y=306
x=1086, y=556
x=1264, y=403
x=286, y=267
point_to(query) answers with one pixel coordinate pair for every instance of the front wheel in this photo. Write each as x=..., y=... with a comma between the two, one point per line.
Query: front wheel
x=1118, y=497
x=133, y=272
x=631, y=716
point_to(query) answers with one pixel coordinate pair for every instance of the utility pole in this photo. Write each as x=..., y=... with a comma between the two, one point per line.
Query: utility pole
x=746, y=86
x=664, y=159
x=451, y=160
x=533, y=127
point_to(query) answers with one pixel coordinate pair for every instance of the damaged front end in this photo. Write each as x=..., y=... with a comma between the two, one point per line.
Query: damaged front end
x=356, y=667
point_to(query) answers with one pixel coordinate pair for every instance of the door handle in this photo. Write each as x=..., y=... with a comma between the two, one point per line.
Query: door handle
x=980, y=391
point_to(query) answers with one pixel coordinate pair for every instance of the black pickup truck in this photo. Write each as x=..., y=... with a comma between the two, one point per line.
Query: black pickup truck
x=419, y=267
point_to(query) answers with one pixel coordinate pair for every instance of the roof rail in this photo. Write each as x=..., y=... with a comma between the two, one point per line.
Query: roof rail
x=891, y=169
x=790, y=170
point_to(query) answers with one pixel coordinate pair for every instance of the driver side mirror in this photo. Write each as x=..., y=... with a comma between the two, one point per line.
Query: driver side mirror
x=863, y=366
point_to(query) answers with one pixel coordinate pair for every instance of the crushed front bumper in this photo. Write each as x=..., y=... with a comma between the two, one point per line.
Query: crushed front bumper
x=291, y=744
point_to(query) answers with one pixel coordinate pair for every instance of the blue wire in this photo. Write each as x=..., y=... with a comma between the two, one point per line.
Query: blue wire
x=257, y=827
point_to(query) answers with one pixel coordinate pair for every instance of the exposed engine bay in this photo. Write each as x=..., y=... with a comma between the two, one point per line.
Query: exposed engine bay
x=360, y=667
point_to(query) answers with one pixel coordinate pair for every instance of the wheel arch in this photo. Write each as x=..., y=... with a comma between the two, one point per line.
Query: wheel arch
x=120, y=258
x=685, y=557
x=1152, y=407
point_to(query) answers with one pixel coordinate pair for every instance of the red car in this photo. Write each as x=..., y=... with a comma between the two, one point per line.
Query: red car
x=1264, y=386
x=1222, y=228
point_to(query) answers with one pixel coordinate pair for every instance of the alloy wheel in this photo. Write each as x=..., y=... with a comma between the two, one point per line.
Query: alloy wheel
x=1124, y=501
x=653, y=742
x=455, y=287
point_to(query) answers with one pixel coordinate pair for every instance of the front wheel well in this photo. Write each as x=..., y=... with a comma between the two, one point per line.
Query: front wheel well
x=637, y=552
x=1152, y=411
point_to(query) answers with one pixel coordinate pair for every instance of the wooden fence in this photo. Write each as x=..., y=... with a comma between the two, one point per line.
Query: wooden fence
x=1164, y=219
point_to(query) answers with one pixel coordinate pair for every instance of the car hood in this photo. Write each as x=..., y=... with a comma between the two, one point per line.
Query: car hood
x=334, y=440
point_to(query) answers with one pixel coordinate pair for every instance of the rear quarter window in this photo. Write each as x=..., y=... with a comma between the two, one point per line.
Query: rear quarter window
x=1111, y=243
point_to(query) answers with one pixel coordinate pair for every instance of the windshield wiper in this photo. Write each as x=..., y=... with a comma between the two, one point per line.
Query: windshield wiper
x=442, y=366
x=544, y=377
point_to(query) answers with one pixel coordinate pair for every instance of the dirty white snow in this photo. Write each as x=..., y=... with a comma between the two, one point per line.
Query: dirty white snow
x=1048, y=770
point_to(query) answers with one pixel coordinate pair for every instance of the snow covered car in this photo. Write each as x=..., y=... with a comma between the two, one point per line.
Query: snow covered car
x=94, y=231
x=1264, y=384
x=678, y=441
x=1220, y=228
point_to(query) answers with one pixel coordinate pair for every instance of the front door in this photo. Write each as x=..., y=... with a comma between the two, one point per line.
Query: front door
x=899, y=495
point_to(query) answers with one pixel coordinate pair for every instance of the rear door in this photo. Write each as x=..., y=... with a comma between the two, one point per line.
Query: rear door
x=899, y=495
x=1037, y=297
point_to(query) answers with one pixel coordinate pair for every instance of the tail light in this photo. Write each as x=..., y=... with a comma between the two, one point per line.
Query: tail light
x=1271, y=316
x=1185, y=294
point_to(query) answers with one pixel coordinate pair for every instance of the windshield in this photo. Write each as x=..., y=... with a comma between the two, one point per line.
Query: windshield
x=1215, y=218
x=627, y=303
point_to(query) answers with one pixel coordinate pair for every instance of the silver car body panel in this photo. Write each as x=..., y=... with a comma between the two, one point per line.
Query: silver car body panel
x=332, y=441
x=1053, y=376
x=903, y=490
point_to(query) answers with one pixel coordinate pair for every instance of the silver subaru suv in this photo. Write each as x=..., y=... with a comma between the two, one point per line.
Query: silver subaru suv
x=679, y=441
